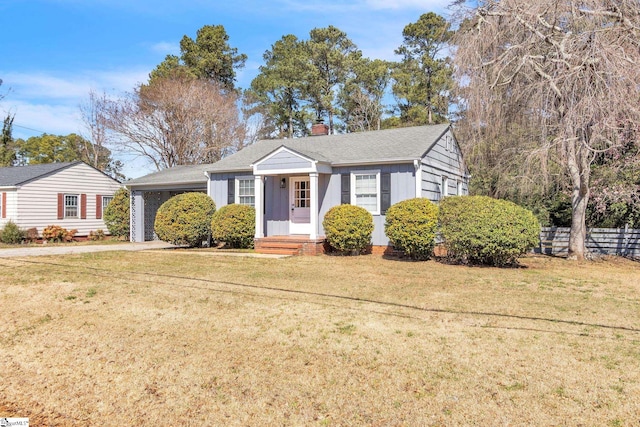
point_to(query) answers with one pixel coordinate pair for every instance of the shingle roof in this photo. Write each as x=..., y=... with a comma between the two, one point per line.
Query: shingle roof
x=186, y=174
x=402, y=144
x=361, y=147
x=18, y=175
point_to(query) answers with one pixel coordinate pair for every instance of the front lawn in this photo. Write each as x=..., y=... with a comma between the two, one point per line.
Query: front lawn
x=168, y=338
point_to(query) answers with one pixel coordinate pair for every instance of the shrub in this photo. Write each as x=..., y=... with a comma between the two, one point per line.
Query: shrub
x=482, y=230
x=348, y=228
x=55, y=233
x=235, y=225
x=116, y=214
x=31, y=235
x=11, y=233
x=411, y=227
x=96, y=235
x=185, y=219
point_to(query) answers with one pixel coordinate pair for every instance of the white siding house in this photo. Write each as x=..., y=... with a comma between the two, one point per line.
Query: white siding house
x=72, y=195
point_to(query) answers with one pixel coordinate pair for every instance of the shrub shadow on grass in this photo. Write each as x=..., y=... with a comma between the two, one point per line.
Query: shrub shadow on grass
x=465, y=263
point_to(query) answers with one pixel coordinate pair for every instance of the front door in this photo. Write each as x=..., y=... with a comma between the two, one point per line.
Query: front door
x=299, y=200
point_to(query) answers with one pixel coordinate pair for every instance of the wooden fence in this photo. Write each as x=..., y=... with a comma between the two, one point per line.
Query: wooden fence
x=610, y=241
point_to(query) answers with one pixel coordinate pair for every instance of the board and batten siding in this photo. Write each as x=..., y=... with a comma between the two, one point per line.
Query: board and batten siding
x=219, y=186
x=403, y=184
x=37, y=201
x=444, y=159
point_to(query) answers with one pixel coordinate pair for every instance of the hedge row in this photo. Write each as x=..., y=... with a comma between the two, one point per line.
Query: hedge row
x=473, y=229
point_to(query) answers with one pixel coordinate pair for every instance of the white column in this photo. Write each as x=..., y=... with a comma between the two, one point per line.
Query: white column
x=313, y=182
x=417, y=165
x=259, y=205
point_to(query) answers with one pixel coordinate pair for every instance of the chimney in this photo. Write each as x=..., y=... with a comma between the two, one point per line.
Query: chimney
x=319, y=129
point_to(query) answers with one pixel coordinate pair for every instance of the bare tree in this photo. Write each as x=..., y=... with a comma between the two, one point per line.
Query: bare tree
x=366, y=112
x=178, y=121
x=568, y=70
x=93, y=112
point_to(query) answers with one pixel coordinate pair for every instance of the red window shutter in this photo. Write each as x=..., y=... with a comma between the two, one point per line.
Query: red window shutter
x=98, y=206
x=4, y=205
x=60, y=206
x=83, y=206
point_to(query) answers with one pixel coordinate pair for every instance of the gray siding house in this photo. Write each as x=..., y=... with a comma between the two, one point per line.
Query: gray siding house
x=294, y=182
x=72, y=195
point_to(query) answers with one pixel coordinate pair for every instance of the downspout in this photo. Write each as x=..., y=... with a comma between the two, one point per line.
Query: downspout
x=208, y=175
x=417, y=166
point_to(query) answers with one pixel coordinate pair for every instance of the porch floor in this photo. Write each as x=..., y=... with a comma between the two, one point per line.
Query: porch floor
x=290, y=245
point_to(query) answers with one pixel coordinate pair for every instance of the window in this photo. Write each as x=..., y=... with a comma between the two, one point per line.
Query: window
x=246, y=191
x=105, y=202
x=444, y=187
x=366, y=190
x=70, y=206
x=301, y=194
x=460, y=188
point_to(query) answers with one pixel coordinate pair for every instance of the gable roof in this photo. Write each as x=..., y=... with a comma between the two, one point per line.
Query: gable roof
x=383, y=146
x=18, y=175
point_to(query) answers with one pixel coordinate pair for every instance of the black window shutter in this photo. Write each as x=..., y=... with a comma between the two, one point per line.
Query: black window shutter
x=385, y=192
x=345, y=194
x=231, y=191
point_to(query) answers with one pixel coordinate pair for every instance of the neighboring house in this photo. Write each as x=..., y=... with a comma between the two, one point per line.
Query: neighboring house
x=72, y=195
x=294, y=182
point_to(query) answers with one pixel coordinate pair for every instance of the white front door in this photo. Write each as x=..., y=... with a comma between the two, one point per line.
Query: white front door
x=300, y=203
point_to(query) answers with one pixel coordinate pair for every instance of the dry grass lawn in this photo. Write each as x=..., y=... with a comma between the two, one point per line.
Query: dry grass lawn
x=169, y=338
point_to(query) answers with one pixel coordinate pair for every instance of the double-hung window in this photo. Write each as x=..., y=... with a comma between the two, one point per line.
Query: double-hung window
x=246, y=191
x=365, y=188
x=444, y=187
x=105, y=202
x=71, y=206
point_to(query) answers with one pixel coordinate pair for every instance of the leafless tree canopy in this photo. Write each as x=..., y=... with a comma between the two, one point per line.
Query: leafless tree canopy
x=92, y=112
x=564, y=73
x=178, y=121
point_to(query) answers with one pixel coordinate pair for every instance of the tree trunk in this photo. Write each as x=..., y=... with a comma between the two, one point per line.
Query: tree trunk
x=578, y=233
x=579, y=166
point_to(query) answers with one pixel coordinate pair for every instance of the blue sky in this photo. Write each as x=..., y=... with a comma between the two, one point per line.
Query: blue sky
x=53, y=52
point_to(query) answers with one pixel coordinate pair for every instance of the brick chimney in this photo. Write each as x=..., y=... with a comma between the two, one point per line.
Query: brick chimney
x=319, y=129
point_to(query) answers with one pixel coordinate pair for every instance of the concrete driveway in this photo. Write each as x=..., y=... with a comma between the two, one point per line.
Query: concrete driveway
x=80, y=249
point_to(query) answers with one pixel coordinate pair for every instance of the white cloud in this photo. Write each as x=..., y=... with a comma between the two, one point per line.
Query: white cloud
x=48, y=103
x=35, y=119
x=40, y=86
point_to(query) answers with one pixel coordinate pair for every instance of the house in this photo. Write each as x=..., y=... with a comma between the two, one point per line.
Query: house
x=72, y=195
x=294, y=182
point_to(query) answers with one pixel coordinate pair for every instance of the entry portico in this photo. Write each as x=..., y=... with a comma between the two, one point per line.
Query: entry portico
x=299, y=173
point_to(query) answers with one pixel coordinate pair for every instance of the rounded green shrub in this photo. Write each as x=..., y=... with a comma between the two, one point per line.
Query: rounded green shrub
x=234, y=225
x=116, y=214
x=348, y=228
x=185, y=219
x=482, y=230
x=411, y=226
x=11, y=233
